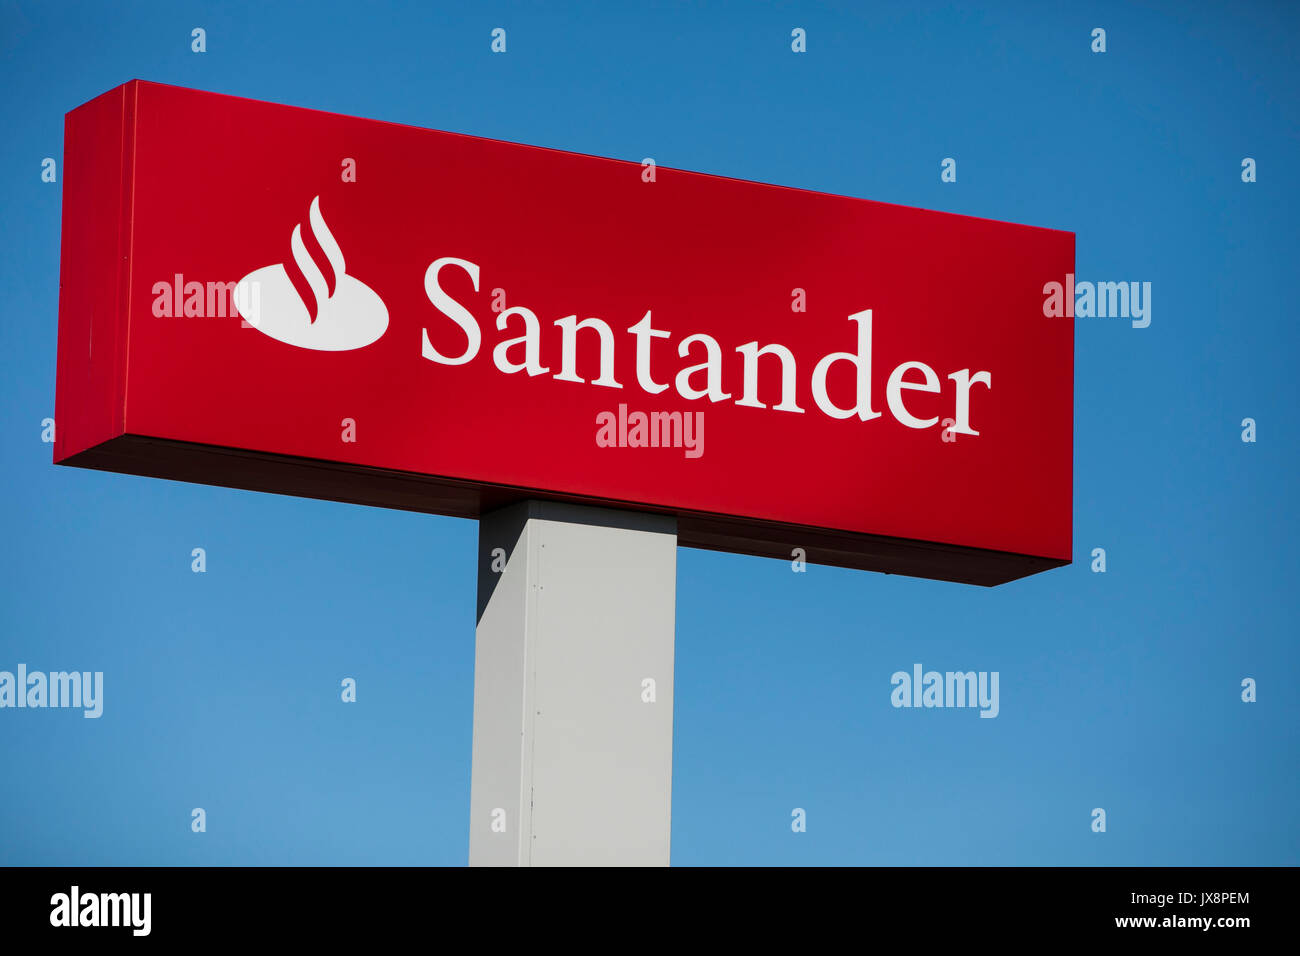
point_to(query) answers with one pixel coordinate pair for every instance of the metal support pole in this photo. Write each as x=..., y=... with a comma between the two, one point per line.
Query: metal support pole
x=573, y=687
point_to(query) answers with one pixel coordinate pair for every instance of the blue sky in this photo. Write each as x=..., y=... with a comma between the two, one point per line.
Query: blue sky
x=1118, y=690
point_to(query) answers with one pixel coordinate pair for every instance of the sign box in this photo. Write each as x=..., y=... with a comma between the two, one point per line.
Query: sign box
x=286, y=300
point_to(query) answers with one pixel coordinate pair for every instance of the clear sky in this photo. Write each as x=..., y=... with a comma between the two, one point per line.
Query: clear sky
x=1119, y=690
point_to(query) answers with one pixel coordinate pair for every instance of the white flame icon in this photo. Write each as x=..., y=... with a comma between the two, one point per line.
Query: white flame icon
x=351, y=316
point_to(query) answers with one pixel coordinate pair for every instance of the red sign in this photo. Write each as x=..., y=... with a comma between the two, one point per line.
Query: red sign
x=266, y=297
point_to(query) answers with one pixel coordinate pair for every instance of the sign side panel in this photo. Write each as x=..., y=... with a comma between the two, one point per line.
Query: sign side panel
x=93, y=277
x=1067, y=539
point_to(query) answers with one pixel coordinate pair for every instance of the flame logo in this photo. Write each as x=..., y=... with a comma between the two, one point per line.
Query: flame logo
x=344, y=313
x=307, y=267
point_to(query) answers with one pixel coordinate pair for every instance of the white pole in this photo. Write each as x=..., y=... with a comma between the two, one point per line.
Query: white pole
x=573, y=687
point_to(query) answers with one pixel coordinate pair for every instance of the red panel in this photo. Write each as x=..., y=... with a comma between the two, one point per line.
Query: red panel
x=221, y=182
x=91, y=382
